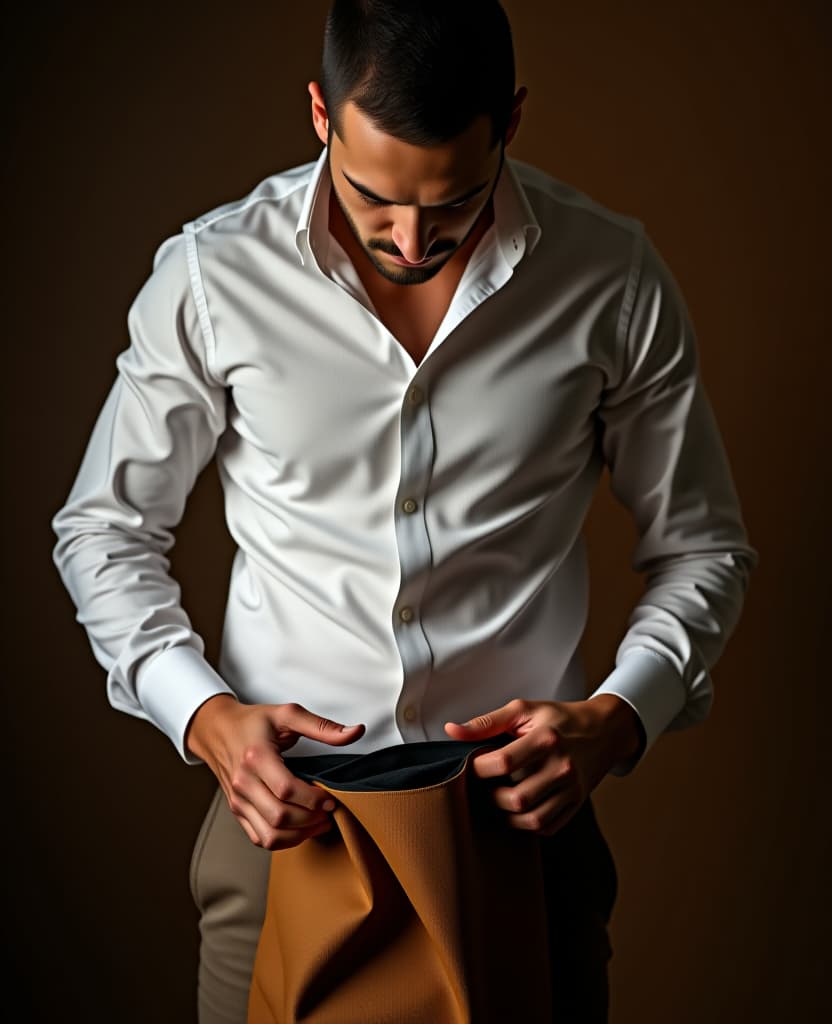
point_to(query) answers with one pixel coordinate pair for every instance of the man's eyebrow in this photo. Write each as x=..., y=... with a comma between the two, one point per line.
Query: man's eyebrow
x=389, y=202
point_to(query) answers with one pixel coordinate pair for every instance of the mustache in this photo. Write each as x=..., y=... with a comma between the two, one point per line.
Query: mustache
x=382, y=245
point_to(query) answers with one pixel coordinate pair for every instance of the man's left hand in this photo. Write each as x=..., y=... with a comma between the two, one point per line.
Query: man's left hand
x=562, y=751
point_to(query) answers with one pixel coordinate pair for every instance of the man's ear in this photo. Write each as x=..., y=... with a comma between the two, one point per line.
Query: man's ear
x=320, y=119
x=516, y=113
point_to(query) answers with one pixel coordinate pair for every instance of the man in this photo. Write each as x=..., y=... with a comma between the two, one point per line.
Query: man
x=412, y=360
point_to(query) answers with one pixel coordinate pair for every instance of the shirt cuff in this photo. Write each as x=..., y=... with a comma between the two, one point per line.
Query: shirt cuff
x=171, y=688
x=655, y=691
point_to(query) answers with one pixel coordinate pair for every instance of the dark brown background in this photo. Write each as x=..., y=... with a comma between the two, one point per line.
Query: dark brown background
x=703, y=120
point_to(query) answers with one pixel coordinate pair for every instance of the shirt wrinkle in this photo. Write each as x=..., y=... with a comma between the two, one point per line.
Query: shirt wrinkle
x=389, y=568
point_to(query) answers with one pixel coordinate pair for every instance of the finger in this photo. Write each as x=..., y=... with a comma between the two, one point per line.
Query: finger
x=262, y=834
x=269, y=767
x=287, y=838
x=546, y=771
x=548, y=817
x=279, y=814
x=492, y=723
x=505, y=719
x=249, y=831
x=533, y=790
x=296, y=719
x=520, y=756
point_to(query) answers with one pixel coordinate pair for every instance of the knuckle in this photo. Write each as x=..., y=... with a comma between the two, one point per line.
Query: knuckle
x=235, y=806
x=324, y=724
x=277, y=818
x=292, y=707
x=518, y=705
x=271, y=840
x=250, y=754
x=519, y=801
x=547, y=739
x=567, y=770
x=535, y=821
x=282, y=790
x=504, y=764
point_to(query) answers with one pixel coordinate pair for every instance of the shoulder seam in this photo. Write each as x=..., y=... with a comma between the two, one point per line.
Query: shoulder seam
x=582, y=201
x=628, y=300
x=200, y=299
x=200, y=223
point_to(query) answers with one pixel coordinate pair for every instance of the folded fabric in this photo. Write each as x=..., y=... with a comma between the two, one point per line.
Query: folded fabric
x=420, y=906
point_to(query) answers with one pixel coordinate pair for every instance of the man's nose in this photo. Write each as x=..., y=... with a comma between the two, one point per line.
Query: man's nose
x=412, y=233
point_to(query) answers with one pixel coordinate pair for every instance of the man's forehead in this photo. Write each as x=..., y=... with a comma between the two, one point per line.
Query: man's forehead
x=392, y=169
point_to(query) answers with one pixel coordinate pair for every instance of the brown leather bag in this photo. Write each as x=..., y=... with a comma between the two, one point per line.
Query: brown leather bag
x=421, y=906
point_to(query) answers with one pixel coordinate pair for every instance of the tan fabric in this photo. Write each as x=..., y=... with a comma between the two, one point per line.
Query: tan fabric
x=420, y=907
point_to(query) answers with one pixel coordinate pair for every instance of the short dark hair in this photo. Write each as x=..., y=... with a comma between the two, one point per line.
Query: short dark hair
x=421, y=70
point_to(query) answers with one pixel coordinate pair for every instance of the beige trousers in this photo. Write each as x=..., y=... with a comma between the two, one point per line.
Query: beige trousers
x=229, y=883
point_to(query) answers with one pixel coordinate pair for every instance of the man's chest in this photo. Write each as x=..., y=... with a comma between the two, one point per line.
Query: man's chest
x=414, y=323
x=324, y=396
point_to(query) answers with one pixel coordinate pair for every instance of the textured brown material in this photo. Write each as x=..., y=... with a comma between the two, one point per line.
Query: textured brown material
x=420, y=907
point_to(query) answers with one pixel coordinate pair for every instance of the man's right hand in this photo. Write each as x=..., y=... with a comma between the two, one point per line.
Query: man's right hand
x=242, y=744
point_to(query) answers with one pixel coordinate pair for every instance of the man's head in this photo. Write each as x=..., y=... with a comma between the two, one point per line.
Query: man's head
x=416, y=103
x=421, y=70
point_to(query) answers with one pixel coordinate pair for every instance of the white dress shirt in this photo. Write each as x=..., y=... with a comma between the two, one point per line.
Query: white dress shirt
x=409, y=538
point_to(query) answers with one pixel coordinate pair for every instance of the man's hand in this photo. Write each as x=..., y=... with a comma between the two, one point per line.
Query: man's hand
x=242, y=744
x=562, y=751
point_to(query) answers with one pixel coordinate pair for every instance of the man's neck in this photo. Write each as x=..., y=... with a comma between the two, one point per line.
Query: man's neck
x=412, y=313
x=377, y=284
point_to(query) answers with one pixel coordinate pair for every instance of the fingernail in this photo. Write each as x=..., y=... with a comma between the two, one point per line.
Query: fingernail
x=328, y=805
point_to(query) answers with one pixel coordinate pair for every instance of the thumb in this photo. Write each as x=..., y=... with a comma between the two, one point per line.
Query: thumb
x=336, y=734
x=302, y=722
x=492, y=723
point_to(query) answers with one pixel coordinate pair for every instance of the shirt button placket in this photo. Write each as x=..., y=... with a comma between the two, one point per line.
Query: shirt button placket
x=416, y=438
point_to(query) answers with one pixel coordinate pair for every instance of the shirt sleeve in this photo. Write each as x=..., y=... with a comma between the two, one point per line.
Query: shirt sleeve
x=668, y=466
x=156, y=431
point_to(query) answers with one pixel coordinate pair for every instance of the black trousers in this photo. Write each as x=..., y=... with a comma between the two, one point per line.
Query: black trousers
x=581, y=885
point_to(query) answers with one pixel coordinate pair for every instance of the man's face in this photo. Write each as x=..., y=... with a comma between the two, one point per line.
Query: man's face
x=410, y=207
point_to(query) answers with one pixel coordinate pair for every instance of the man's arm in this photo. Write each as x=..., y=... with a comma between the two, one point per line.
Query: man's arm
x=155, y=432
x=669, y=468
x=158, y=428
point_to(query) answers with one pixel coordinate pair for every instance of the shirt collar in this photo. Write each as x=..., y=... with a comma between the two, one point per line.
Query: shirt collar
x=314, y=213
x=516, y=226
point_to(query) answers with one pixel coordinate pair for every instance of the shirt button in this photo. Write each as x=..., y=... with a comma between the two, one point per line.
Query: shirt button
x=409, y=506
x=416, y=396
x=406, y=614
x=410, y=713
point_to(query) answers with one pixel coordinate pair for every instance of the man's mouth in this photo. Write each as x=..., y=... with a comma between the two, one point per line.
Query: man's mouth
x=403, y=262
